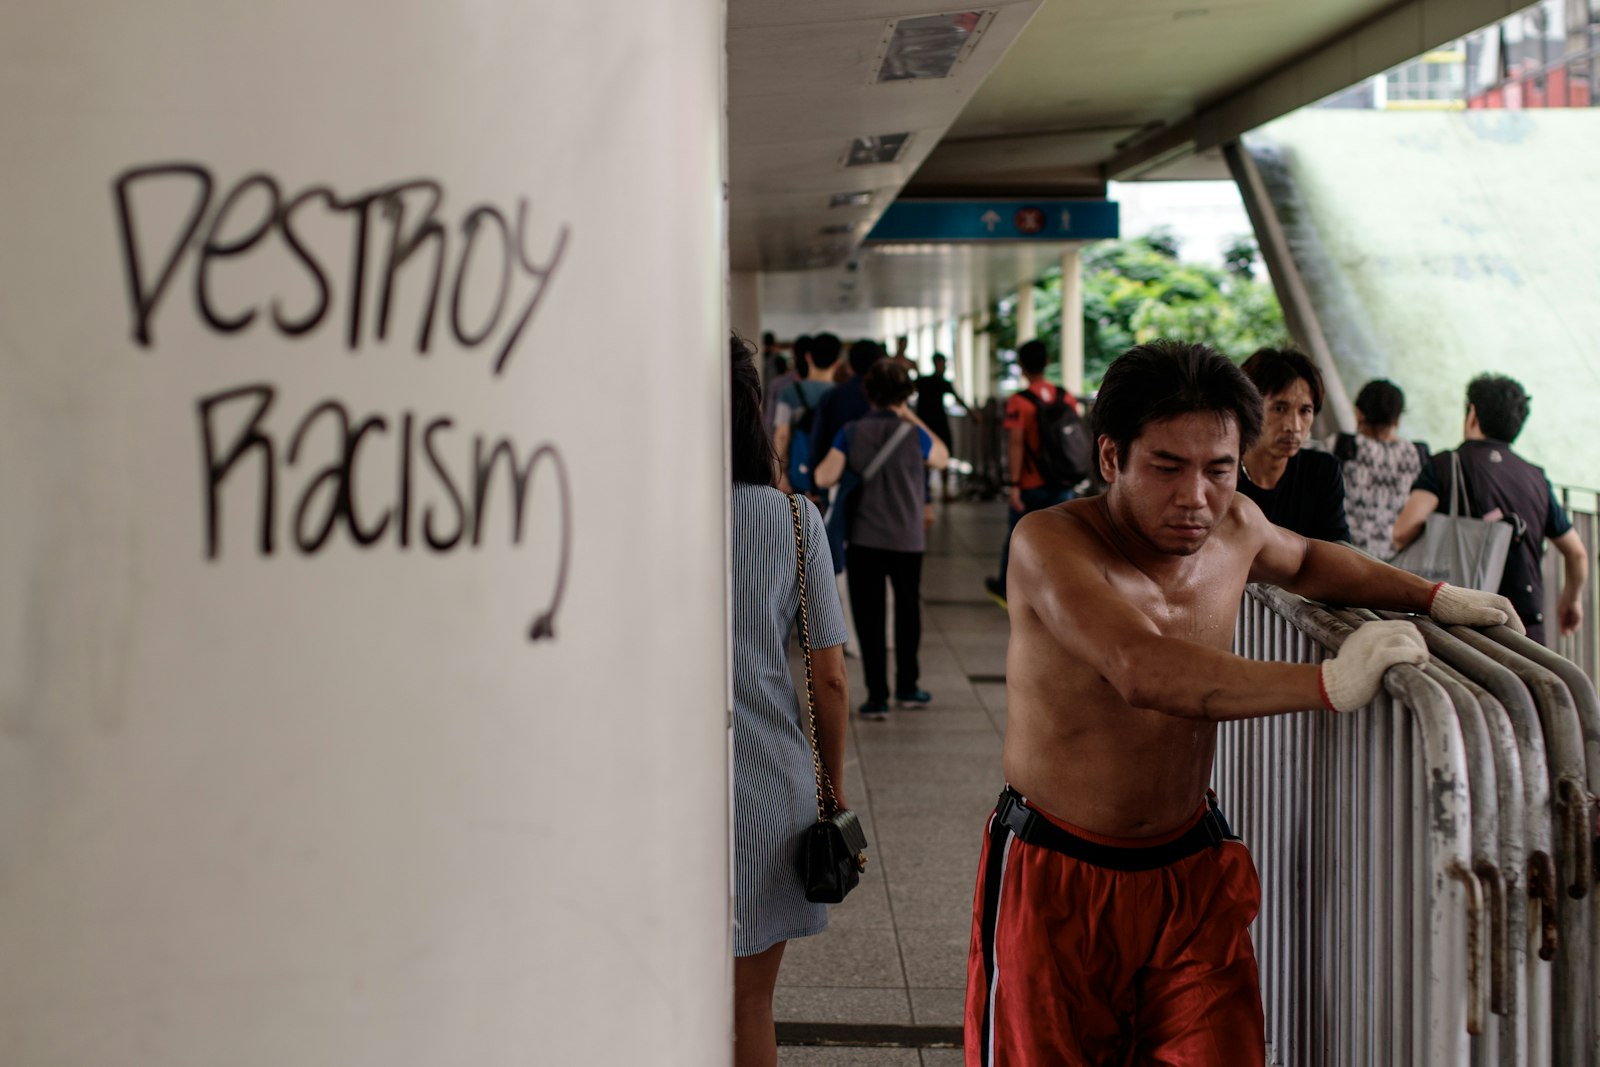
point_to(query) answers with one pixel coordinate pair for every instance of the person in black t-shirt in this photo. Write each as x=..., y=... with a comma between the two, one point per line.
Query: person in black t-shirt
x=932, y=388
x=1298, y=490
x=1501, y=484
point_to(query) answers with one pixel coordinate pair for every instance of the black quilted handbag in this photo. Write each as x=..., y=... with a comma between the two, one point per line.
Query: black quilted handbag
x=834, y=851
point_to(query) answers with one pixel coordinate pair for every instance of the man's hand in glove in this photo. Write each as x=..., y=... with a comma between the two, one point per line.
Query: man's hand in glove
x=1452, y=605
x=1352, y=678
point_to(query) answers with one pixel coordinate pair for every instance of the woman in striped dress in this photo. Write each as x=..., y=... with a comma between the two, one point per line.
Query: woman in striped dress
x=774, y=782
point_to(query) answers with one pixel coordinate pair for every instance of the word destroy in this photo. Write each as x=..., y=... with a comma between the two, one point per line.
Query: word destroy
x=256, y=209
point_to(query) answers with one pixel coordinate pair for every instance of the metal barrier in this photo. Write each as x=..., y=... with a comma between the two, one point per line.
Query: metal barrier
x=1428, y=864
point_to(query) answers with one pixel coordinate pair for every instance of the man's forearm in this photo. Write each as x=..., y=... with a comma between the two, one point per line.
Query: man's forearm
x=1334, y=574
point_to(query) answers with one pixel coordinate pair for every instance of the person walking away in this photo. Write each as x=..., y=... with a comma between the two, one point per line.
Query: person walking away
x=886, y=534
x=1112, y=909
x=1501, y=484
x=1298, y=489
x=776, y=386
x=1378, y=466
x=845, y=404
x=1028, y=490
x=932, y=388
x=797, y=413
x=773, y=777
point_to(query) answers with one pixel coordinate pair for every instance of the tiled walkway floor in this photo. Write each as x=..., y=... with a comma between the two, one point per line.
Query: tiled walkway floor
x=924, y=781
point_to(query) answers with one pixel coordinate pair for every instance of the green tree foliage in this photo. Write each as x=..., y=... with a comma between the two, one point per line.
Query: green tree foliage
x=1137, y=290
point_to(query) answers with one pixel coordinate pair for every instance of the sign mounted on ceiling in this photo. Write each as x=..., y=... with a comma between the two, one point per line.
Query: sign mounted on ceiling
x=998, y=220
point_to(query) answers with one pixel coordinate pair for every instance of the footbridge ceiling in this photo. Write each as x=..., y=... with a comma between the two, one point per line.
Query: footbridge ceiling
x=838, y=107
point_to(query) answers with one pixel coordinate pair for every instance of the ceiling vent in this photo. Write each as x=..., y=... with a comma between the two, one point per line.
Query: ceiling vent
x=884, y=148
x=928, y=46
x=839, y=229
x=850, y=199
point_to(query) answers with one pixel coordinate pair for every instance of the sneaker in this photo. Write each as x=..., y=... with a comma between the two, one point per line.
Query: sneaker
x=996, y=591
x=916, y=698
x=877, y=710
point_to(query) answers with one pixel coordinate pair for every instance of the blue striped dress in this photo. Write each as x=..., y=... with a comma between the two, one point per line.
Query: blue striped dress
x=775, y=790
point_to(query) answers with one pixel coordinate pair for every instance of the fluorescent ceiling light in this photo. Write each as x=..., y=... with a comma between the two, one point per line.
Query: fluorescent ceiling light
x=928, y=46
x=884, y=148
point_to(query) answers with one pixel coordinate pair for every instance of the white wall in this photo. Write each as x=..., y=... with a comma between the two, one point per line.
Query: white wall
x=329, y=804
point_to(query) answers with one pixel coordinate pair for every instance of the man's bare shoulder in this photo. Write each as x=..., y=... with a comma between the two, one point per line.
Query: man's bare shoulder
x=1077, y=524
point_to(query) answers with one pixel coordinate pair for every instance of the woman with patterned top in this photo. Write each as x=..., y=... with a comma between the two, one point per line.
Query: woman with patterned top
x=774, y=784
x=1379, y=467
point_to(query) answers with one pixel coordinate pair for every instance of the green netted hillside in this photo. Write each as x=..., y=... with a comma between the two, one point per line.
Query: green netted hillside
x=1439, y=245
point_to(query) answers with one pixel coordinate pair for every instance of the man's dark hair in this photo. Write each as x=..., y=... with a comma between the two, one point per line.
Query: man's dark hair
x=863, y=354
x=825, y=349
x=1164, y=379
x=887, y=383
x=1033, y=357
x=755, y=462
x=1381, y=403
x=1501, y=403
x=940, y=357
x=1275, y=369
x=768, y=340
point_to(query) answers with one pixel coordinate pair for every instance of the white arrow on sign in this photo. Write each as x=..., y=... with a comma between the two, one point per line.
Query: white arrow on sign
x=990, y=219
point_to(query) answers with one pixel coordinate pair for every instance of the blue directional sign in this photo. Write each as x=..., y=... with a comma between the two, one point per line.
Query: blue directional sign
x=998, y=220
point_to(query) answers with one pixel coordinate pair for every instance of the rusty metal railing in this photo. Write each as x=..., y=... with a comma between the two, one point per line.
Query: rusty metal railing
x=1427, y=863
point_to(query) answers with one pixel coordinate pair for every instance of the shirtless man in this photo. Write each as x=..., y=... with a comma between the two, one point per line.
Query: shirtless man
x=1122, y=935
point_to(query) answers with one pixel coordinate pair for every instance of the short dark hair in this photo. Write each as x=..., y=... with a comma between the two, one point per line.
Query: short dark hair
x=1033, y=357
x=755, y=461
x=1275, y=369
x=887, y=383
x=768, y=339
x=1381, y=403
x=802, y=355
x=863, y=354
x=1164, y=379
x=1501, y=404
x=825, y=348
x=940, y=357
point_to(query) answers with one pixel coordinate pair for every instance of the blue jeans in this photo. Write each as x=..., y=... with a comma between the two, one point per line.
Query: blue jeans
x=1032, y=500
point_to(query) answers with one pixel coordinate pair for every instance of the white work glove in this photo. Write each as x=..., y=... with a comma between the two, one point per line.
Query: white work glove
x=1452, y=605
x=1352, y=678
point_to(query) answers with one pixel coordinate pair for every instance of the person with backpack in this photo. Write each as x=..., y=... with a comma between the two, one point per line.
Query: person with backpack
x=1049, y=450
x=797, y=412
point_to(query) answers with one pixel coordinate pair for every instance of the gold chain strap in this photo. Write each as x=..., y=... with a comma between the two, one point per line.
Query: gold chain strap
x=825, y=797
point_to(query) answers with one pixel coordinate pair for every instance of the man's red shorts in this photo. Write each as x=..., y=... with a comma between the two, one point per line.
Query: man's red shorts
x=1079, y=962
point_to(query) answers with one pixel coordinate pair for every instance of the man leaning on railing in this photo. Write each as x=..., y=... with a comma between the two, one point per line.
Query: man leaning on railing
x=1113, y=905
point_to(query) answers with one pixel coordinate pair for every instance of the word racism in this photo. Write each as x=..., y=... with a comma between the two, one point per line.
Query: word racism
x=256, y=209
x=428, y=500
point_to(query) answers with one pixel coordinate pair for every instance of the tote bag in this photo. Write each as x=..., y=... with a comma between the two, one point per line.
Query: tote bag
x=1457, y=548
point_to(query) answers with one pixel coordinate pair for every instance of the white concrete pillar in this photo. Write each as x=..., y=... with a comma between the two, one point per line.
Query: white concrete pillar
x=1072, y=320
x=963, y=358
x=1026, y=326
x=744, y=306
x=983, y=360
x=341, y=721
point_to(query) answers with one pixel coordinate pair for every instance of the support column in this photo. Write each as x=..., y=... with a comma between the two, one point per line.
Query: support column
x=1026, y=325
x=290, y=773
x=1072, y=320
x=744, y=305
x=982, y=360
x=961, y=370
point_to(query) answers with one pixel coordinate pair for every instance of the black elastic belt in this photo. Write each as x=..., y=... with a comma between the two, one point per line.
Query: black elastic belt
x=1035, y=829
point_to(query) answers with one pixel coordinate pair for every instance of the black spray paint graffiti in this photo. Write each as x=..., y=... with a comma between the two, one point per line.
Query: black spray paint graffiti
x=256, y=209
x=436, y=498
